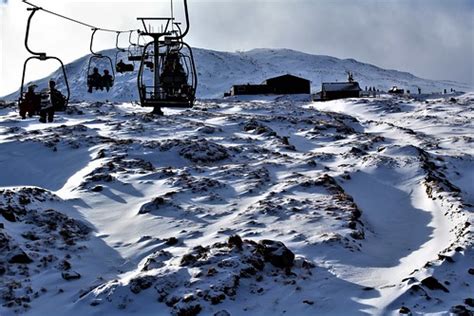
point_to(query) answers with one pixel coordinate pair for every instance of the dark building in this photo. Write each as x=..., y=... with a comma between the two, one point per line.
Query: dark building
x=249, y=89
x=289, y=84
x=286, y=84
x=340, y=90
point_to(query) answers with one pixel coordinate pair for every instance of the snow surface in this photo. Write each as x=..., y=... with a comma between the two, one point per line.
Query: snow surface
x=373, y=196
x=218, y=71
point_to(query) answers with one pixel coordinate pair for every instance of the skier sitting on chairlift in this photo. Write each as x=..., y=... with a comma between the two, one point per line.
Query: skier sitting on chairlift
x=57, y=98
x=51, y=100
x=30, y=104
x=94, y=80
x=107, y=80
x=123, y=67
x=173, y=75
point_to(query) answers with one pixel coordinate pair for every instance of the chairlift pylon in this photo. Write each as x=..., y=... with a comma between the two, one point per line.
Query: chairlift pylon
x=175, y=77
x=41, y=57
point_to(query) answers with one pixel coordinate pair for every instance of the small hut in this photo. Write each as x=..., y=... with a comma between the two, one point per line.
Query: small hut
x=340, y=90
x=396, y=90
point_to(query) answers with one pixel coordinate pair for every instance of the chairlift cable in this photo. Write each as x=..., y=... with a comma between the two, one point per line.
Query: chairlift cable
x=74, y=20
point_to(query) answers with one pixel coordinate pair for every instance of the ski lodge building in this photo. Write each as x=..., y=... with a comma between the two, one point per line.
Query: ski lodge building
x=286, y=84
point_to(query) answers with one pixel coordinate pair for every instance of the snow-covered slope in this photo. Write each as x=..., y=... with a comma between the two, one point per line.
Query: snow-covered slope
x=274, y=207
x=218, y=71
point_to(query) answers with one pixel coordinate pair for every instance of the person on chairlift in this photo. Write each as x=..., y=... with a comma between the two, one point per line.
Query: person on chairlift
x=94, y=80
x=107, y=80
x=121, y=66
x=51, y=100
x=30, y=104
x=57, y=98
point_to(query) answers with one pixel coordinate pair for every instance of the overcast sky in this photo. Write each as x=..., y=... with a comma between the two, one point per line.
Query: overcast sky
x=429, y=38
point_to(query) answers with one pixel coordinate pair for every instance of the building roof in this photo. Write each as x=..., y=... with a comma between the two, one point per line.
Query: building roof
x=340, y=86
x=287, y=76
x=249, y=85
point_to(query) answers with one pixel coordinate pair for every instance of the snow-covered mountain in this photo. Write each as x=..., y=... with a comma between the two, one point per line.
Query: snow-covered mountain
x=218, y=71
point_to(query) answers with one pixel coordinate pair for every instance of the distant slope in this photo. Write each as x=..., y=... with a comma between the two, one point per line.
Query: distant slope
x=218, y=71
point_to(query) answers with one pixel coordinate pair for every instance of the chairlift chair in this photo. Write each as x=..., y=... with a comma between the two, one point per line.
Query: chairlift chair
x=97, y=57
x=40, y=57
x=135, y=50
x=120, y=66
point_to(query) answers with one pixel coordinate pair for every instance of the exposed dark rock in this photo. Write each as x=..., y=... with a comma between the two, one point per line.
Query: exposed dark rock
x=188, y=259
x=208, y=129
x=158, y=201
x=404, y=310
x=70, y=275
x=276, y=253
x=100, y=154
x=171, y=241
x=445, y=258
x=64, y=265
x=235, y=241
x=30, y=236
x=4, y=242
x=259, y=128
x=201, y=150
x=211, y=271
x=155, y=260
x=20, y=258
x=215, y=298
x=469, y=301
x=97, y=188
x=192, y=310
x=8, y=214
x=99, y=177
x=461, y=310
x=433, y=284
x=95, y=302
x=257, y=263
x=357, y=151
x=358, y=234
x=352, y=225
x=141, y=283
x=153, y=205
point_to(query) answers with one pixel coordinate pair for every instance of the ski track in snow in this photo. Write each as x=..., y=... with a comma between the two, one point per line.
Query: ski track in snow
x=281, y=169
